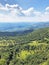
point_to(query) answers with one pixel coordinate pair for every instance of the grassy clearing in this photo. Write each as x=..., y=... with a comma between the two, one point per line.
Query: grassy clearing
x=24, y=53
x=34, y=43
x=45, y=63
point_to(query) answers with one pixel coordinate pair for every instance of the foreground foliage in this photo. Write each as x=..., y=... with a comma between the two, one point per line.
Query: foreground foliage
x=27, y=49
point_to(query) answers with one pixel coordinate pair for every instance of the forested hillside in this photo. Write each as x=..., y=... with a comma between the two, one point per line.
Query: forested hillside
x=28, y=49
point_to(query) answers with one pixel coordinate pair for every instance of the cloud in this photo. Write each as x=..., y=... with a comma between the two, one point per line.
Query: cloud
x=15, y=9
x=47, y=9
x=31, y=12
x=2, y=8
x=15, y=13
x=28, y=12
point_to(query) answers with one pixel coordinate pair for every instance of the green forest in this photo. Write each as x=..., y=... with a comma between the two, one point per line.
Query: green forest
x=28, y=49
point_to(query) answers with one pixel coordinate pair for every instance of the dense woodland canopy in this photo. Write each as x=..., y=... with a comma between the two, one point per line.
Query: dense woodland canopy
x=28, y=49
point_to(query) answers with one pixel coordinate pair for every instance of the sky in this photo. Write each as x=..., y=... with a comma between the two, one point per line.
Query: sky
x=24, y=10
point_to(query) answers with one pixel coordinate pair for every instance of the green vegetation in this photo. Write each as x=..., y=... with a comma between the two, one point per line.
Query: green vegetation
x=27, y=49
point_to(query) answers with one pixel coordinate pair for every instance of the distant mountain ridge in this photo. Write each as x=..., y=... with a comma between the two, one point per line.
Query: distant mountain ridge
x=22, y=26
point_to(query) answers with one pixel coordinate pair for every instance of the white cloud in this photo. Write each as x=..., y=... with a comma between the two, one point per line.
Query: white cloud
x=14, y=13
x=47, y=9
x=37, y=13
x=3, y=8
x=28, y=12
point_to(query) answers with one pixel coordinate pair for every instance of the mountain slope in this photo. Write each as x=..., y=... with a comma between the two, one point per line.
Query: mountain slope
x=27, y=49
x=38, y=34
